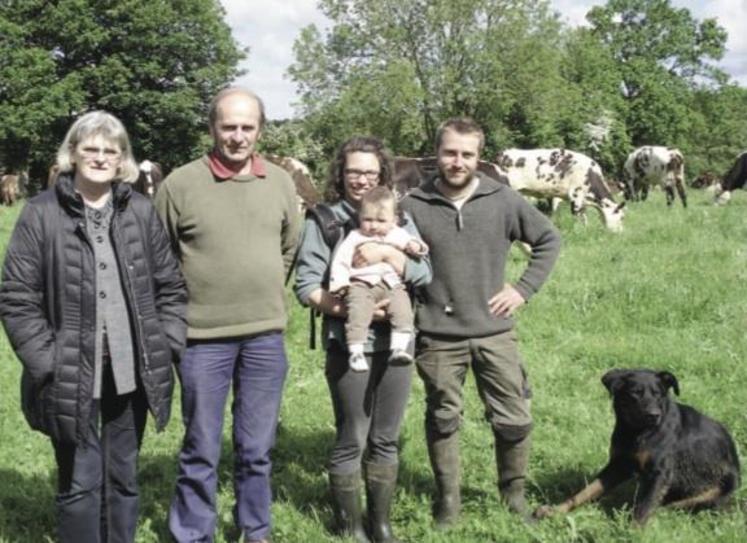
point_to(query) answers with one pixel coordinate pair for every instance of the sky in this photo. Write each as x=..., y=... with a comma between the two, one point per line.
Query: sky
x=269, y=28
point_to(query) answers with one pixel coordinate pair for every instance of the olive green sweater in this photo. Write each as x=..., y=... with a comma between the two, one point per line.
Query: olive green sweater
x=235, y=239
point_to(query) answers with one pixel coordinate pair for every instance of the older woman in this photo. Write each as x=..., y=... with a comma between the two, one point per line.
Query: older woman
x=368, y=406
x=93, y=303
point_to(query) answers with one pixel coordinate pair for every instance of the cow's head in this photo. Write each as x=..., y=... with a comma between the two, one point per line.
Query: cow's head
x=720, y=196
x=612, y=215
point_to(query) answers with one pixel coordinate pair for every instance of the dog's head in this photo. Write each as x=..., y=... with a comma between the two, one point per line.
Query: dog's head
x=640, y=396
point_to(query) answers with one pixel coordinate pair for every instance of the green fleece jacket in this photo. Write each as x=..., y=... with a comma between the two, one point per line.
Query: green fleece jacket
x=235, y=239
x=468, y=250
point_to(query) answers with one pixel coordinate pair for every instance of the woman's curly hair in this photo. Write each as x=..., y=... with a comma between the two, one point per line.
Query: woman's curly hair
x=335, y=189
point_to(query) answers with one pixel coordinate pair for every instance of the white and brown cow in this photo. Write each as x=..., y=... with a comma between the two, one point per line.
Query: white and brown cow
x=9, y=188
x=308, y=195
x=706, y=180
x=735, y=178
x=410, y=173
x=150, y=178
x=560, y=174
x=655, y=165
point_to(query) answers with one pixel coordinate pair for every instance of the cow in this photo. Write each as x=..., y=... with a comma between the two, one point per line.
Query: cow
x=308, y=195
x=615, y=185
x=705, y=180
x=410, y=173
x=734, y=179
x=9, y=188
x=150, y=178
x=560, y=174
x=655, y=165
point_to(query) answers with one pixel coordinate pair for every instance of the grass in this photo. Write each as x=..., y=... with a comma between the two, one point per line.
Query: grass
x=667, y=293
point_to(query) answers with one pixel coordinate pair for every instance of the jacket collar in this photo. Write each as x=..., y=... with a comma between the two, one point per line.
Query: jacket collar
x=348, y=209
x=72, y=201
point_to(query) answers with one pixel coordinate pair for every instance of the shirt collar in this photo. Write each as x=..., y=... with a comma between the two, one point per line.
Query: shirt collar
x=223, y=170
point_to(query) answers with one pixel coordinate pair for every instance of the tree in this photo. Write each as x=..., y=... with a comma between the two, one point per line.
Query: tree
x=593, y=115
x=396, y=68
x=153, y=63
x=718, y=132
x=662, y=54
x=289, y=138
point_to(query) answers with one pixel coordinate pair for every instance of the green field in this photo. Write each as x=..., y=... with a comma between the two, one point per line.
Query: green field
x=668, y=293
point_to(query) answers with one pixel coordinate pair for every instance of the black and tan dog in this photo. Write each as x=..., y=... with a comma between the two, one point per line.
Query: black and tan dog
x=682, y=458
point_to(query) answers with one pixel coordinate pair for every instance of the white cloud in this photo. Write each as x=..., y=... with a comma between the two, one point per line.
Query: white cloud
x=269, y=28
x=731, y=14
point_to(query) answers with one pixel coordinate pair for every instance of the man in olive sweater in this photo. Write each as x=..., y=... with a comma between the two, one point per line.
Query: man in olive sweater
x=233, y=221
x=464, y=316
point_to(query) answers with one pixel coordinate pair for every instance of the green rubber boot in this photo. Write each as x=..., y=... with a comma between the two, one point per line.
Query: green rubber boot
x=381, y=481
x=346, y=502
x=444, y=455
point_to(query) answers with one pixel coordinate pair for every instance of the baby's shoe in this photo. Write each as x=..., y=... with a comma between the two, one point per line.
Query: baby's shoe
x=358, y=362
x=400, y=357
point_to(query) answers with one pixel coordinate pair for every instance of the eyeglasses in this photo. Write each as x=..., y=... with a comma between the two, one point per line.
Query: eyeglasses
x=370, y=175
x=108, y=153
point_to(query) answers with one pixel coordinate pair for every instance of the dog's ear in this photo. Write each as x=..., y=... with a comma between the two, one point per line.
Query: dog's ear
x=613, y=380
x=669, y=381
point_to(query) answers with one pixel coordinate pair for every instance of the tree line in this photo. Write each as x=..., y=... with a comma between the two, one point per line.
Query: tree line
x=638, y=72
x=153, y=63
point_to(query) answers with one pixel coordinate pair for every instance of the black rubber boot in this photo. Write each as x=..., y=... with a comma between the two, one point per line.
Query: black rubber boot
x=443, y=451
x=512, y=459
x=381, y=481
x=346, y=501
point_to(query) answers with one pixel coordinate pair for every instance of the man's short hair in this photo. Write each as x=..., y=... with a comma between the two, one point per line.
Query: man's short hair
x=215, y=102
x=460, y=125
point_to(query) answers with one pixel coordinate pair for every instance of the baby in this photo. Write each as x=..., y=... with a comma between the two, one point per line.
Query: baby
x=364, y=287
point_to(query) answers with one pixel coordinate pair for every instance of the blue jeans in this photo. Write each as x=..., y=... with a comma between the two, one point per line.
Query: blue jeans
x=97, y=498
x=257, y=366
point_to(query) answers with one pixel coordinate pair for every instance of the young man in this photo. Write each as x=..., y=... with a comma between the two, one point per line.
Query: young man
x=233, y=221
x=465, y=314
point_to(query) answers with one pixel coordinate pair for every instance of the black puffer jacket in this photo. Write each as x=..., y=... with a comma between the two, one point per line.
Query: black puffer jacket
x=48, y=305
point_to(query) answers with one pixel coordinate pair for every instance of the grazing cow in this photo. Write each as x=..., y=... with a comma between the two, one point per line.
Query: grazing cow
x=561, y=174
x=615, y=185
x=9, y=186
x=410, y=173
x=308, y=195
x=705, y=180
x=655, y=165
x=734, y=179
x=150, y=178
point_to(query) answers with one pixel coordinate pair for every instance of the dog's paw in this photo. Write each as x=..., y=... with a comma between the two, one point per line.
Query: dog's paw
x=544, y=511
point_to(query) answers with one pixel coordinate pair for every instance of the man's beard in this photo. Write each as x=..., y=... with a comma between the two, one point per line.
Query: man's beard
x=450, y=181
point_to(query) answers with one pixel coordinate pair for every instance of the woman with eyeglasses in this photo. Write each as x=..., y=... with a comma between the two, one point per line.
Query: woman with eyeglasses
x=94, y=305
x=368, y=406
